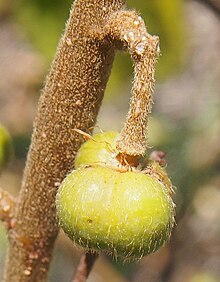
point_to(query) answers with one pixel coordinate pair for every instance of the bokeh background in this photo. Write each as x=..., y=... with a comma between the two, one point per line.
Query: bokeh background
x=185, y=124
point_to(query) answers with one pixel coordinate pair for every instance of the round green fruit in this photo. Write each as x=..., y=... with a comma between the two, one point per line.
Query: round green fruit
x=127, y=214
x=100, y=149
x=5, y=146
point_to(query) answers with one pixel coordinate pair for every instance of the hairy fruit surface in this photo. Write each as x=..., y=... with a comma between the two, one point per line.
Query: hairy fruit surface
x=127, y=214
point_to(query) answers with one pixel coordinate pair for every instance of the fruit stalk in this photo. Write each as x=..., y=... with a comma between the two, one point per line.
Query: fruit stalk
x=133, y=138
x=128, y=28
x=85, y=265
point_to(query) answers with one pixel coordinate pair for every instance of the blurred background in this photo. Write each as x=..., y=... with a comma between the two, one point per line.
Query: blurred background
x=185, y=124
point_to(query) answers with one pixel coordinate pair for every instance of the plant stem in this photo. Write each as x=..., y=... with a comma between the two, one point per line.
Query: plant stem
x=85, y=265
x=127, y=30
x=70, y=99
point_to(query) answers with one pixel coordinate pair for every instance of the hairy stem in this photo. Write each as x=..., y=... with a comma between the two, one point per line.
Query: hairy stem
x=70, y=99
x=129, y=29
x=85, y=265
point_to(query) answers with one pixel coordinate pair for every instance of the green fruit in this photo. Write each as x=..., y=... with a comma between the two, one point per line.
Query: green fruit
x=100, y=149
x=127, y=214
x=5, y=146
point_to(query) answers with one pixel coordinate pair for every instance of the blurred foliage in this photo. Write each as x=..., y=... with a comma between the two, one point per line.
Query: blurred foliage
x=43, y=21
x=5, y=146
x=193, y=152
x=203, y=277
x=3, y=240
x=21, y=145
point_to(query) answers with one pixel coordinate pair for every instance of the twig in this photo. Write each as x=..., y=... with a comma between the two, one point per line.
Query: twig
x=7, y=208
x=71, y=99
x=127, y=28
x=85, y=265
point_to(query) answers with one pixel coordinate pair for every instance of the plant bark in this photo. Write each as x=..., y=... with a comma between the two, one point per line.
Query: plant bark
x=70, y=99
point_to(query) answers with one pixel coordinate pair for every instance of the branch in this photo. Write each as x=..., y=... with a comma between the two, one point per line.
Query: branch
x=7, y=208
x=85, y=265
x=70, y=99
x=129, y=29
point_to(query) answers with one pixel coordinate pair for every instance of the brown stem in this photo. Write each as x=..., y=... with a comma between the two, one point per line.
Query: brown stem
x=85, y=265
x=7, y=208
x=70, y=99
x=129, y=29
